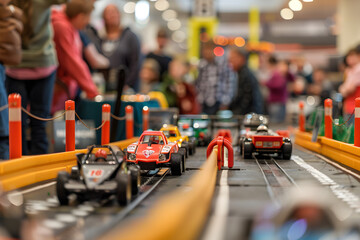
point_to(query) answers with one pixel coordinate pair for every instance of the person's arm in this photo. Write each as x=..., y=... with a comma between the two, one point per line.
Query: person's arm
x=133, y=60
x=94, y=58
x=73, y=64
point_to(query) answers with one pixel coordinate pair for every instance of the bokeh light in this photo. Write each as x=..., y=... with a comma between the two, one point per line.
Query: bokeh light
x=219, y=51
x=287, y=14
x=239, y=41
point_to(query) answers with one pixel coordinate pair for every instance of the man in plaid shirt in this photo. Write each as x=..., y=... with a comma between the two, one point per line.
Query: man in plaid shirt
x=214, y=84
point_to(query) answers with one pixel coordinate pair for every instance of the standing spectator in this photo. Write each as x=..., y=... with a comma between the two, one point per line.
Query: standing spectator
x=350, y=89
x=248, y=97
x=178, y=93
x=73, y=72
x=277, y=85
x=149, y=76
x=159, y=54
x=10, y=53
x=34, y=77
x=214, y=83
x=321, y=86
x=121, y=46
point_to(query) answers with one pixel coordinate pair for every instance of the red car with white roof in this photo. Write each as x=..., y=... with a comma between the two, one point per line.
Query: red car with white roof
x=153, y=150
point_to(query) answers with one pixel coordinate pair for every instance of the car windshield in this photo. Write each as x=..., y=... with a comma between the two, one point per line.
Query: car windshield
x=152, y=139
x=170, y=133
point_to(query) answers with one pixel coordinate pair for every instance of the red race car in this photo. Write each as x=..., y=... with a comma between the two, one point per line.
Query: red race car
x=153, y=150
x=265, y=141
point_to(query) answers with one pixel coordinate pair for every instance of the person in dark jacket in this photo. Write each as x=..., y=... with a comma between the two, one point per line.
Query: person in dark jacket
x=121, y=46
x=248, y=97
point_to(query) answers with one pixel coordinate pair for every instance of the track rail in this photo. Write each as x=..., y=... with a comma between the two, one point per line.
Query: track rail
x=97, y=220
x=276, y=178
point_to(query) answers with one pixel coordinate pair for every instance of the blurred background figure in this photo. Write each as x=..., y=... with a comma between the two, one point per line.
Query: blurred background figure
x=321, y=86
x=178, y=93
x=350, y=89
x=34, y=77
x=149, y=76
x=73, y=73
x=248, y=97
x=214, y=85
x=10, y=54
x=121, y=46
x=159, y=54
x=278, y=92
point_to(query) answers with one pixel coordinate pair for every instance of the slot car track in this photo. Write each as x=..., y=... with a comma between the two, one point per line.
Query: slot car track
x=250, y=186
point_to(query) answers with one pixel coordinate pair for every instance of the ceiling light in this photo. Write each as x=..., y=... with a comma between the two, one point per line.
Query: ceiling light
x=295, y=5
x=174, y=25
x=178, y=36
x=142, y=10
x=287, y=14
x=129, y=7
x=308, y=0
x=162, y=5
x=169, y=15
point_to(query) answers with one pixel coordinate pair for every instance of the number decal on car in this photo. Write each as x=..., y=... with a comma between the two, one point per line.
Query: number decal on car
x=96, y=173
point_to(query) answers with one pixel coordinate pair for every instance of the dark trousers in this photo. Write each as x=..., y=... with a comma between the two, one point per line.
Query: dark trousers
x=211, y=110
x=4, y=120
x=38, y=94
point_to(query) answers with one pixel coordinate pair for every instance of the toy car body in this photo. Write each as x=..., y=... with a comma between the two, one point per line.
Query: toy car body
x=265, y=141
x=173, y=135
x=99, y=176
x=153, y=150
x=199, y=128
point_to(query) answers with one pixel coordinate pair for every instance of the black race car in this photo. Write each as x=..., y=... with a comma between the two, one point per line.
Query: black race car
x=99, y=173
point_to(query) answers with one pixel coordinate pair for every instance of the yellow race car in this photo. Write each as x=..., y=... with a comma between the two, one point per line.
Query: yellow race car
x=173, y=135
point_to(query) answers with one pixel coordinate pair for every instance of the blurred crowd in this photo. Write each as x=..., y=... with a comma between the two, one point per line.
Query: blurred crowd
x=51, y=52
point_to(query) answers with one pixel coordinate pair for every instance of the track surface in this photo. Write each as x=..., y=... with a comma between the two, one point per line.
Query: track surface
x=241, y=193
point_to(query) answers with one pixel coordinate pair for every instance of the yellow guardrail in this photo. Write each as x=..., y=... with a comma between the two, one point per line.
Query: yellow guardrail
x=28, y=170
x=178, y=215
x=344, y=153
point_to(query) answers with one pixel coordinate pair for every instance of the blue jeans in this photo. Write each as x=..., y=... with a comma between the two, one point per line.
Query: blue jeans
x=38, y=94
x=4, y=118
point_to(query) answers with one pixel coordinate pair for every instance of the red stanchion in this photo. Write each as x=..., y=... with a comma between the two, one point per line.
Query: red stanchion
x=105, y=131
x=129, y=115
x=357, y=123
x=328, y=118
x=221, y=142
x=301, y=117
x=145, y=115
x=70, y=125
x=15, y=138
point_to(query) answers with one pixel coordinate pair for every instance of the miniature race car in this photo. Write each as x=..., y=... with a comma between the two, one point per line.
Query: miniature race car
x=197, y=127
x=153, y=150
x=99, y=173
x=265, y=141
x=173, y=135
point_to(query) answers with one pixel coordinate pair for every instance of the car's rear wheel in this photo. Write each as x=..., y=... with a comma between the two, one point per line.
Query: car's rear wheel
x=182, y=152
x=135, y=179
x=247, y=150
x=176, y=164
x=123, y=191
x=286, y=150
x=62, y=194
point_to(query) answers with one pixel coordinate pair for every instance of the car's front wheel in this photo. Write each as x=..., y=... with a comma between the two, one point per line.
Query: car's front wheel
x=176, y=164
x=62, y=194
x=135, y=179
x=247, y=150
x=123, y=191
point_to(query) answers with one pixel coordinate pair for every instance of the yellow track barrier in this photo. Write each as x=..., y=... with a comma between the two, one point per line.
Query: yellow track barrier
x=178, y=215
x=344, y=153
x=28, y=170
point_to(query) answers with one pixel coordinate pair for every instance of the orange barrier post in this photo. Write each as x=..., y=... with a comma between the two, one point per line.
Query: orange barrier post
x=15, y=138
x=357, y=123
x=105, y=131
x=301, y=117
x=221, y=142
x=70, y=125
x=145, y=113
x=129, y=115
x=328, y=118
